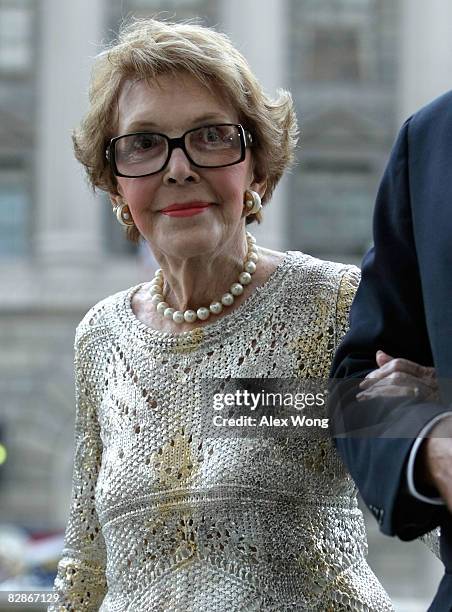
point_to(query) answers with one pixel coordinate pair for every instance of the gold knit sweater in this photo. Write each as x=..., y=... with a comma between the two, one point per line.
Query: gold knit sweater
x=166, y=519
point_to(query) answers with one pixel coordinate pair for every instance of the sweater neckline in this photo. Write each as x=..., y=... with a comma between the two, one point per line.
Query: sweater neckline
x=219, y=327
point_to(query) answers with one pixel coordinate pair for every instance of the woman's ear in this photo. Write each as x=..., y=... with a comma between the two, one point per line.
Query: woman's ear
x=260, y=186
x=114, y=199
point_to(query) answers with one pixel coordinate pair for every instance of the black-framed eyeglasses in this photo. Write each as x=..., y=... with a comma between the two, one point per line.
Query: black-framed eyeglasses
x=209, y=146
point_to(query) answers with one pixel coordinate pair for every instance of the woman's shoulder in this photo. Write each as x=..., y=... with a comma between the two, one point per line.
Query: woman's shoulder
x=328, y=287
x=101, y=319
x=310, y=270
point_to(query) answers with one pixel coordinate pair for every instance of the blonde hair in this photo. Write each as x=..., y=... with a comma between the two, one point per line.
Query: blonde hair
x=148, y=48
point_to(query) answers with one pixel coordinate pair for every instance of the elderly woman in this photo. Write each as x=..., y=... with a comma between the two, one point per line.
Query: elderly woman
x=163, y=517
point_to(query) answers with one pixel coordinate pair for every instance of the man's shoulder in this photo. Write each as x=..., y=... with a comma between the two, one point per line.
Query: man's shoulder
x=438, y=109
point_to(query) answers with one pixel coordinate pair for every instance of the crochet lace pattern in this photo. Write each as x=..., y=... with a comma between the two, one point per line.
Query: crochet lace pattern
x=166, y=519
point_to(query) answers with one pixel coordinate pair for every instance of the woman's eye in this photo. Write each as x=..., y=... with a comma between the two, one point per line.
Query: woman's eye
x=145, y=142
x=212, y=135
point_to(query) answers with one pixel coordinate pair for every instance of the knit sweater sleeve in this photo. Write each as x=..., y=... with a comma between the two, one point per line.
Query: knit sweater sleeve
x=80, y=581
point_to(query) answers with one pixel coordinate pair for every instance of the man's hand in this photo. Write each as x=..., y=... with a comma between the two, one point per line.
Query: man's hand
x=401, y=377
x=434, y=460
x=397, y=378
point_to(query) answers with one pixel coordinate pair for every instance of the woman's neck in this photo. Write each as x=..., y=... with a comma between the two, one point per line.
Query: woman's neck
x=200, y=280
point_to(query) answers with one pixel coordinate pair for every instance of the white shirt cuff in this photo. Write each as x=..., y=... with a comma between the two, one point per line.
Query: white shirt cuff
x=412, y=458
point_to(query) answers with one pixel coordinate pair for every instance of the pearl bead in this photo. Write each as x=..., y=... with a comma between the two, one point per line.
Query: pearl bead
x=249, y=266
x=236, y=289
x=227, y=299
x=168, y=314
x=190, y=316
x=203, y=313
x=156, y=289
x=161, y=307
x=245, y=278
x=178, y=316
x=216, y=307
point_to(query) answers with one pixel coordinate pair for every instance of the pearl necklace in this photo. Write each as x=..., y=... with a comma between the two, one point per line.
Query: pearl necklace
x=203, y=313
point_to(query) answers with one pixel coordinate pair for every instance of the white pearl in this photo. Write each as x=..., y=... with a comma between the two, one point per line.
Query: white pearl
x=216, y=307
x=190, y=316
x=249, y=266
x=227, y=299
x=178, y=316
x=203, y=313
x=245, y=278
x=161, y=307
x=236, y=289
x=168, y=314
x=158, y=272
x=156, y=291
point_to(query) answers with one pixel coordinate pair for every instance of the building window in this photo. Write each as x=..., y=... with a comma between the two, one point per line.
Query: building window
x=16, y=36
x=335, y=198
x=14, y=207
x=335, y=54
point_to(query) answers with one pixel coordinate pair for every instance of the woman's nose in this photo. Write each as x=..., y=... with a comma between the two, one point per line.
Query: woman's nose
x=179, y=169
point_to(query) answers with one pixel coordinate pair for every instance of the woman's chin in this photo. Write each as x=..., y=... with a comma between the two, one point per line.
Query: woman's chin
x=191, y=243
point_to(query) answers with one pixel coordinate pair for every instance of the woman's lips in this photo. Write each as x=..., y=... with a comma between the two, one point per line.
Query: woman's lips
x=186, y=210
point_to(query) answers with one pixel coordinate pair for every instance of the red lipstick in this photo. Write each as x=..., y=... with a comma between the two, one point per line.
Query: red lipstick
x=185, y=209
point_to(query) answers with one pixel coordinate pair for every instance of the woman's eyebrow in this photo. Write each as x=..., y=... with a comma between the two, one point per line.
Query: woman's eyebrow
x=143, y=123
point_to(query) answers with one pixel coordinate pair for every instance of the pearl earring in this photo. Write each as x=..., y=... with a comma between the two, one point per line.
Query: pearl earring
x=253, y=202
x=123, y=215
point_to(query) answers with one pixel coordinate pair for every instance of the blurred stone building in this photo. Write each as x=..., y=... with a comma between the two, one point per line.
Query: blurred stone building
x=353, y=69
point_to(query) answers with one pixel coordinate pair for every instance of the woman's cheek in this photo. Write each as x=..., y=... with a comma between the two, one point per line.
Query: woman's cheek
x=137, y=191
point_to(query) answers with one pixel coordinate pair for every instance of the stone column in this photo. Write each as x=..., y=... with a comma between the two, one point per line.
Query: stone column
x=68, y=217
x=259, y=30
x=425, y=53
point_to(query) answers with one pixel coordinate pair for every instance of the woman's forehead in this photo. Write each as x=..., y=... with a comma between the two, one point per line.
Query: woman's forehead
x=168, y=99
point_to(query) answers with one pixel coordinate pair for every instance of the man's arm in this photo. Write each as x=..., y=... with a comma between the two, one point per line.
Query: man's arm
x=388, y=314
x=418, y=474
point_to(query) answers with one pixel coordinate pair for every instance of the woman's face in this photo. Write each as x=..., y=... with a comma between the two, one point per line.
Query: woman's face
x=172, y=106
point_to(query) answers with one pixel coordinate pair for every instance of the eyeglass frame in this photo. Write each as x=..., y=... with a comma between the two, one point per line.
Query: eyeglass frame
x=246, y=140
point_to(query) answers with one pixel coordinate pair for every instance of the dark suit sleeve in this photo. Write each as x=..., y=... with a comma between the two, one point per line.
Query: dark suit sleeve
x=387, y=314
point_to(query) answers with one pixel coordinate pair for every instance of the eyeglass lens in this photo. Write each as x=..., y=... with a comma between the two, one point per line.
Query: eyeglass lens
x=210, y=146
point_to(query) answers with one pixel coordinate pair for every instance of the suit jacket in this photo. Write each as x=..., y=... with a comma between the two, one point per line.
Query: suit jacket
x=404, y=307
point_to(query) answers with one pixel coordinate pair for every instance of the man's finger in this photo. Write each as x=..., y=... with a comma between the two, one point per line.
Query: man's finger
x=397, y=365
x=424, y=383
x=382, y=358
